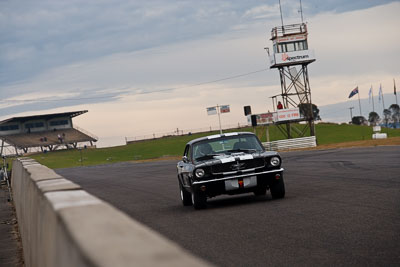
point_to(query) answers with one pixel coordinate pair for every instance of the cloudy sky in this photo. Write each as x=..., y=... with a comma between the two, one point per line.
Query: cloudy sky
x=144, y=66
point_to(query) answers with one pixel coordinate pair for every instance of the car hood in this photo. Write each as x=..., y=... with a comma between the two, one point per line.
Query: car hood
x=224, y=158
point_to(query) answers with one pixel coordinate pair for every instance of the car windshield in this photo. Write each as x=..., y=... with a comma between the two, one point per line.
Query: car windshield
x=211, y=147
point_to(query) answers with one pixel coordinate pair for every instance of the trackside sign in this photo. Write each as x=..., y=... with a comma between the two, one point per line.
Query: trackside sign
x=263, y=118
x=280, y=115
x=292, y=57
x=288, y=114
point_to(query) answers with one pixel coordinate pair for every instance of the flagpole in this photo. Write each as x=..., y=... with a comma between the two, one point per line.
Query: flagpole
x=373, y=105
x=351, y=113
x=395, y=93
x=359, y=102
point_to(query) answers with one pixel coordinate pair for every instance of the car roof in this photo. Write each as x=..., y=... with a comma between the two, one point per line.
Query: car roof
x=218, y=136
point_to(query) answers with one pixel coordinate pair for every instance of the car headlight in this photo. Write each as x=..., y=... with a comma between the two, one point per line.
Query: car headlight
x=199, y=173
x=275, y=161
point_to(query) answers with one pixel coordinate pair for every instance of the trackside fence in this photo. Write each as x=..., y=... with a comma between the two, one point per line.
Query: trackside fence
x=289, y=144
x=178, y=132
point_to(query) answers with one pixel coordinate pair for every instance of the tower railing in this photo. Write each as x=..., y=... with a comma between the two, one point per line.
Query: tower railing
x=281, y=31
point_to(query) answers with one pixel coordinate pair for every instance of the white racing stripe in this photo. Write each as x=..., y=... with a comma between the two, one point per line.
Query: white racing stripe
x=225, y=160
x=246, y=157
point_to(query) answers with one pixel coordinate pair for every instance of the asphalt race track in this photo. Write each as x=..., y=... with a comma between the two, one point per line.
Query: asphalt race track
x=342, y=208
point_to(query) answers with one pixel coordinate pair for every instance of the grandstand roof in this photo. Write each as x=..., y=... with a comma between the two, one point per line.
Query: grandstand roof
x=44, y=116
x=46, y=138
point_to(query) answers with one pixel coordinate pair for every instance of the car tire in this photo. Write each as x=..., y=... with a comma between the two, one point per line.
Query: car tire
x=277, y=189
x=199, y=200
x=185, y=196
x=260, y=191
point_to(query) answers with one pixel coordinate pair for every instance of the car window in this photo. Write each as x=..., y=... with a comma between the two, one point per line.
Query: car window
x=186, y=152
x=189, y=153
x=226, y=145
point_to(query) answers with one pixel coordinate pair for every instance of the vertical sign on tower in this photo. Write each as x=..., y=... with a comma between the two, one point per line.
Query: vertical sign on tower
x=211, y=110
x=225, y=109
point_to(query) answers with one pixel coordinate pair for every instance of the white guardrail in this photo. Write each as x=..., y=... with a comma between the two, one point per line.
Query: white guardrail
x=288, y=144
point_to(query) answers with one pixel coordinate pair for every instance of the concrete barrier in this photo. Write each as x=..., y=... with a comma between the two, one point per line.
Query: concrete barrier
x=379, y=136
x=62, y=225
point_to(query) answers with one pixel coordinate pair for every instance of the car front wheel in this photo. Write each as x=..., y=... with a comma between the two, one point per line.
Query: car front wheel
x=278, y=189
x=185, y=196
x=199, y=200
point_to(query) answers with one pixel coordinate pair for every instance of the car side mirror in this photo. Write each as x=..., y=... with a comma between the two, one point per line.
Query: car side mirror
x=185, y=159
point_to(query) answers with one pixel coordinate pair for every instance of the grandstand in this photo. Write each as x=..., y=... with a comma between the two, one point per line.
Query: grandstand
x=45, y=132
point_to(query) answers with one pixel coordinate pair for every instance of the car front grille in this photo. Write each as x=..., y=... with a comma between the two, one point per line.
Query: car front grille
x=241, y=165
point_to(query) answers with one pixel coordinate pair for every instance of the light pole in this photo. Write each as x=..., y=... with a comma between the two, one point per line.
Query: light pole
x=80, y=151
x=351, y=113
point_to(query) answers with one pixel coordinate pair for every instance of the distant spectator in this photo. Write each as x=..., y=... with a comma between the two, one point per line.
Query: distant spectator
x=280, y=106
x=60, y=138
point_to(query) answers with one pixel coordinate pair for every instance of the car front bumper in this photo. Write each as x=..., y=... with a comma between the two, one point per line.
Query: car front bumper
x=236, y=184
x=237, y=176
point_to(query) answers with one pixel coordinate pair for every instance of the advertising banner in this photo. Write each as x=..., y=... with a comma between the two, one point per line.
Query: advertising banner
x=292, y=57
x=288, y=114
x=292, y=38
x=264, y=118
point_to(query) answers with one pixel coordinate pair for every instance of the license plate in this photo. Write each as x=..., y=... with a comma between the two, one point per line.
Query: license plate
x=234, y=184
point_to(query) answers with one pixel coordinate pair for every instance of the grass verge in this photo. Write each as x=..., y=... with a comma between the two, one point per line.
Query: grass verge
x=328, y=136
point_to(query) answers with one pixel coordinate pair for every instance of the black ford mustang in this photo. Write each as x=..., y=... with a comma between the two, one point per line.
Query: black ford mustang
x=231, y=163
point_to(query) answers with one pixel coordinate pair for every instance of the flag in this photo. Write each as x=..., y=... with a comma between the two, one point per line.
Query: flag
x=354, y=92
x=370, y=94
x=394, y=82
x=380, y=92
x=225, y=109
x=212, y=110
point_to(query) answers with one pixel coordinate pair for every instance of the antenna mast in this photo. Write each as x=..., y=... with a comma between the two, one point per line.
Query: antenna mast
x=280, y=9
x=301, y=12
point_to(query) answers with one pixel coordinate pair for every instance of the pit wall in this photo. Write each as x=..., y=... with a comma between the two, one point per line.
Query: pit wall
x=63, y=225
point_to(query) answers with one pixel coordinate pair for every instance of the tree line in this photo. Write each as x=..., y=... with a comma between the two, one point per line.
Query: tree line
x=391, y=117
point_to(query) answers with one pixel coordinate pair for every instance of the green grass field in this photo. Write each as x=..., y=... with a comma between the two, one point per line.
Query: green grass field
x=173, y=146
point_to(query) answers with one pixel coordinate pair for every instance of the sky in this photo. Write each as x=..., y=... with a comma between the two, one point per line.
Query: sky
x=143, y=67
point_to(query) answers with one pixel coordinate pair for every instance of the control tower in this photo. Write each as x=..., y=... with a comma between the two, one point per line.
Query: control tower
x=291, y=57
